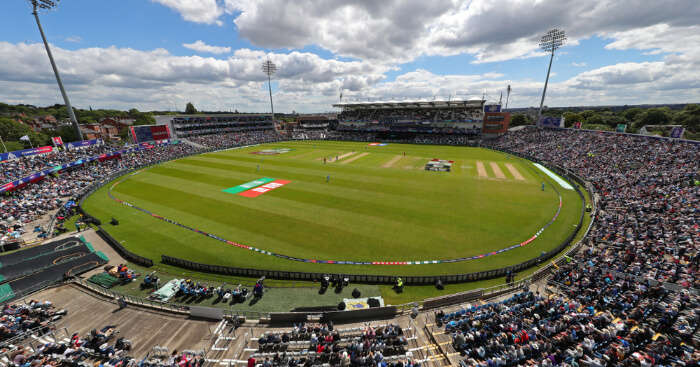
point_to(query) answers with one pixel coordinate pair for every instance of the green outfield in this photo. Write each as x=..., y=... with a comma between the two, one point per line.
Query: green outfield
x=374, y=203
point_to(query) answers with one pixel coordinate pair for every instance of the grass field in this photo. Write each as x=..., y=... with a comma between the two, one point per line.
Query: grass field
x=379, y=205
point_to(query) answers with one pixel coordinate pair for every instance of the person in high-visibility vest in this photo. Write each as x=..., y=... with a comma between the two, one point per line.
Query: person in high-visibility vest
x=399, y=284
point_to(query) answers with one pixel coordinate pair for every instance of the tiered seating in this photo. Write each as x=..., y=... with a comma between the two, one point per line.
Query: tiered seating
x=22, y=320
x=322, y=344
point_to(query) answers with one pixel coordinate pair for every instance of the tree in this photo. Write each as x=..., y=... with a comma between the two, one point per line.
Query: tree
x=571, y=117
x=632, y=113
x=519, y=119
x=595, y=119
x=144, y=118
x=587, y=114
x=689, y=117
x=124, y=134
x=654, y=116
x=189, y=109
x=66, y=132
x=12, y=130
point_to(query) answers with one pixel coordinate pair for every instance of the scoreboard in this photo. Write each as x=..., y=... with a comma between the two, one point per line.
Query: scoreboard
x=144, y=133
x=496, y=122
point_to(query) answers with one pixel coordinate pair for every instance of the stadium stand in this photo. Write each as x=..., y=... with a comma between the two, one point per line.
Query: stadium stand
x=647, y=223
x=45, y=197
x=190, y=126
x=628, y=298
x=230, y=140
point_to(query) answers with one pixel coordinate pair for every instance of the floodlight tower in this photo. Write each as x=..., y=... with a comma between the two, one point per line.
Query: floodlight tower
x=50, y=4
x=269, y=68
x=551, y=41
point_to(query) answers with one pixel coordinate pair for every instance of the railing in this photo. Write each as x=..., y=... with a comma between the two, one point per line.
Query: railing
x=137, y=301
x=35, y=331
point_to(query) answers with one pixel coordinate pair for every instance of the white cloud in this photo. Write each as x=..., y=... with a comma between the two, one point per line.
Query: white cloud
x=120, y=77
x=74, y=39
x=378, y=35
x=200, y=46
x=394, y=31
x=198, y=11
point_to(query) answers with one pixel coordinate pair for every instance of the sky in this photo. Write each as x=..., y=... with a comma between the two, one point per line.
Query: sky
x=161, y=54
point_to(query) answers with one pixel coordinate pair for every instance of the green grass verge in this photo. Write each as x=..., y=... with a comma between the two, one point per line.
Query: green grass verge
x=367, y=211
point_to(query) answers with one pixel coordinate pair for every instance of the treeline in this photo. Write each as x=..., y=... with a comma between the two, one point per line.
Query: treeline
x=11, y=130
x=635, y=118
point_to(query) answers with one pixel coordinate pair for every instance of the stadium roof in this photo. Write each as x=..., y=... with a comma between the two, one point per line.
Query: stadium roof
x=476, y=102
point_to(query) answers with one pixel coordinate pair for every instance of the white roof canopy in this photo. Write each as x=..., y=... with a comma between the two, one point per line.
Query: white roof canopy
x=469, y=103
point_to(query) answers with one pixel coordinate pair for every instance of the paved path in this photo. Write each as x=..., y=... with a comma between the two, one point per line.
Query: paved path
x=145, y=329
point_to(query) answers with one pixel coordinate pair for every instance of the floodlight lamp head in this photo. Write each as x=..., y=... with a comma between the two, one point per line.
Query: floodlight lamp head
x=44, y=4
x=553, y=40
x=269, y=68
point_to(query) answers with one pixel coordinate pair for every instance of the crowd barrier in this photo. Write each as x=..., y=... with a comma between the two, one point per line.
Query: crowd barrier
x=288, y=317
x=364, y=314
x=123, y=252
x=452, y=299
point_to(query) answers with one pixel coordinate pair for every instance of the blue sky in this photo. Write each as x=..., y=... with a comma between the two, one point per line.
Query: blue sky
x=124, y=53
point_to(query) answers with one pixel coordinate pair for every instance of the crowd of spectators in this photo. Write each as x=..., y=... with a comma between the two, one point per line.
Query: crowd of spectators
x=624, y=299
x=636, y=327
x=648, y=218
x=309, y=135
x=224, y=141
x=15, y=169
x=33, y=201
x=33, y=321
x=37, y=200
x=437, y=139
x=35, y=317
x=322, y=343
x=411, y=115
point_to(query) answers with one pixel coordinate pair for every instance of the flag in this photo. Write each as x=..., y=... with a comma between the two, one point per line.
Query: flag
x=25, y=138
x=57, y=141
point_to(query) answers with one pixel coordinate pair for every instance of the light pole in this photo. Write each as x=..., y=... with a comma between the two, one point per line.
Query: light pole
x=269, y=68
x=50, y=4
x=507, y=96
x=551, y=41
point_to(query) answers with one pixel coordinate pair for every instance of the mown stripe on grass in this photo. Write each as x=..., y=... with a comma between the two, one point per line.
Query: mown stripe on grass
x=361, y=216
x=304, y=174
x=399, y=208
x=291, y=230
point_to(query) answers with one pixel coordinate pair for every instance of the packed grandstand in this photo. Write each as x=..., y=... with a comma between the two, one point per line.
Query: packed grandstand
x=627, y=297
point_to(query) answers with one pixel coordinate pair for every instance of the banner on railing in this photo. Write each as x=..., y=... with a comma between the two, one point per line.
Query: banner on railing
x=37, y=176
x=549, y=121
x=677, y=132
x=25, y=153
x=84, y=143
